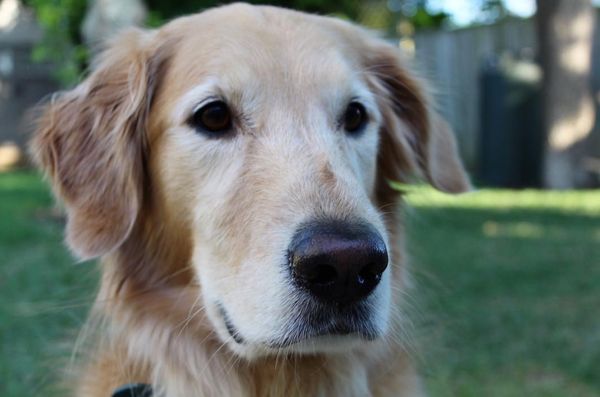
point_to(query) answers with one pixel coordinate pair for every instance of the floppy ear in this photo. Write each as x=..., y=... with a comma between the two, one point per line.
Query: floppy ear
x=415, y=139
x=91, y=142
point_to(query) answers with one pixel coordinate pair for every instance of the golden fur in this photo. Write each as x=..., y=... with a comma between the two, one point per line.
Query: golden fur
x=180, y=220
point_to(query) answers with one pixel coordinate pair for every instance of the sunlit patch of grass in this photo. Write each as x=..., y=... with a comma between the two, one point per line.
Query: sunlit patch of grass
x=580, y=202
x=513, y=229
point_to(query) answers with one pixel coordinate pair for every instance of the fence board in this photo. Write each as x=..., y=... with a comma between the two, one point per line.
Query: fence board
x=452, y=61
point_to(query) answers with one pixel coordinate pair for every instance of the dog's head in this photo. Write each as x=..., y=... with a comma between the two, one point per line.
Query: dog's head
x=254, y=146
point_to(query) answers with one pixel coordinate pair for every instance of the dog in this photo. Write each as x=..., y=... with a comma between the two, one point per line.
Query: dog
x=232, y=171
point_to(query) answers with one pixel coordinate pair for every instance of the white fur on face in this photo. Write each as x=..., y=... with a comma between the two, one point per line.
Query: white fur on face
x=248, y=193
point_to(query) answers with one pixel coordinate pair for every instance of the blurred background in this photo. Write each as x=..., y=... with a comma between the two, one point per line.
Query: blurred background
x=508, y=277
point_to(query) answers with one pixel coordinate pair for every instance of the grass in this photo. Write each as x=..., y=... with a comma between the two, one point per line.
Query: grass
x=507, y=299
x=510, y=282
x=43, y=296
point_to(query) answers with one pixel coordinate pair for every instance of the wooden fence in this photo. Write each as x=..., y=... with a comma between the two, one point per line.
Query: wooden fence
x=453, y=61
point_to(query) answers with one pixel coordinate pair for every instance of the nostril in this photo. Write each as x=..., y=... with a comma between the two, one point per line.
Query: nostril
x=369, y=274
x=321, y=275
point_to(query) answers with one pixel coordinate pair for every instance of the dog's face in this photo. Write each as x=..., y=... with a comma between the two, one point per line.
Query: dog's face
x=264, y=139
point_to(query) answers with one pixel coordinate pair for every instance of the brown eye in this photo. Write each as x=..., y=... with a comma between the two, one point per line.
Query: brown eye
x=355, y=117
x=212, y=118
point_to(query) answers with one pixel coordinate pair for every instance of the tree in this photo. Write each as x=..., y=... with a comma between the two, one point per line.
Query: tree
x=65, y=46
x=565, y=34
x=167, y=9
x=63, y=42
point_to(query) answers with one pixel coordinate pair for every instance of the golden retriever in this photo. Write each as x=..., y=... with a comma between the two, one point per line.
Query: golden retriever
x=232, y=171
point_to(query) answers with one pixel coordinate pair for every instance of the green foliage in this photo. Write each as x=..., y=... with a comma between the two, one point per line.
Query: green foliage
x=425, y=19
x=62, y=19
x=167, y=9
x=62, y=43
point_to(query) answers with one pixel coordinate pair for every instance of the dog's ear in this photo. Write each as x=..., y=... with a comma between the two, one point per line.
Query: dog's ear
x=91, y=143
x=415, y=139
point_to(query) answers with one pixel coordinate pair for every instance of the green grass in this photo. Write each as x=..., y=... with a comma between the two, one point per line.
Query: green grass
x=43, y=295
x=507, y=302
x=510, y=290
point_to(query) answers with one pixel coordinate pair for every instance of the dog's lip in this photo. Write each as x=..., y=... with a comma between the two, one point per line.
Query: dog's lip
x=289, y=342
x=342, y=325
x=231, y=329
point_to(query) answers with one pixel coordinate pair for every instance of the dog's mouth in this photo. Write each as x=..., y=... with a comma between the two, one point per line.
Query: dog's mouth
x=334, y=329
x=231, y=329
x=351, y=321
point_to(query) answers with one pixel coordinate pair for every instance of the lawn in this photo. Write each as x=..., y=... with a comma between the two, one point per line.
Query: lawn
x=506, y=303
x=43, y=295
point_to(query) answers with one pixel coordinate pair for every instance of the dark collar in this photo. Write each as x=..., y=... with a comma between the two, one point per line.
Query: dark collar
x=133, y=390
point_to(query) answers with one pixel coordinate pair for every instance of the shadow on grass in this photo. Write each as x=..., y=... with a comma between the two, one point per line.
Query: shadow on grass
x=509, y=300
x=43, y=295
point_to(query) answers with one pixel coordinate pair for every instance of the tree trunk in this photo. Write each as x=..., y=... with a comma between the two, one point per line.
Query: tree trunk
x=565, y=35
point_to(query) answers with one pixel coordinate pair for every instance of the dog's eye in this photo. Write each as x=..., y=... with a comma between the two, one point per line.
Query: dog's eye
x=213, y=118
x=355, y=117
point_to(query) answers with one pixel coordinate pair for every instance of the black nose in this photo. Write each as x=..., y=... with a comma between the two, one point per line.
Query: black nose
x=338, y=262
